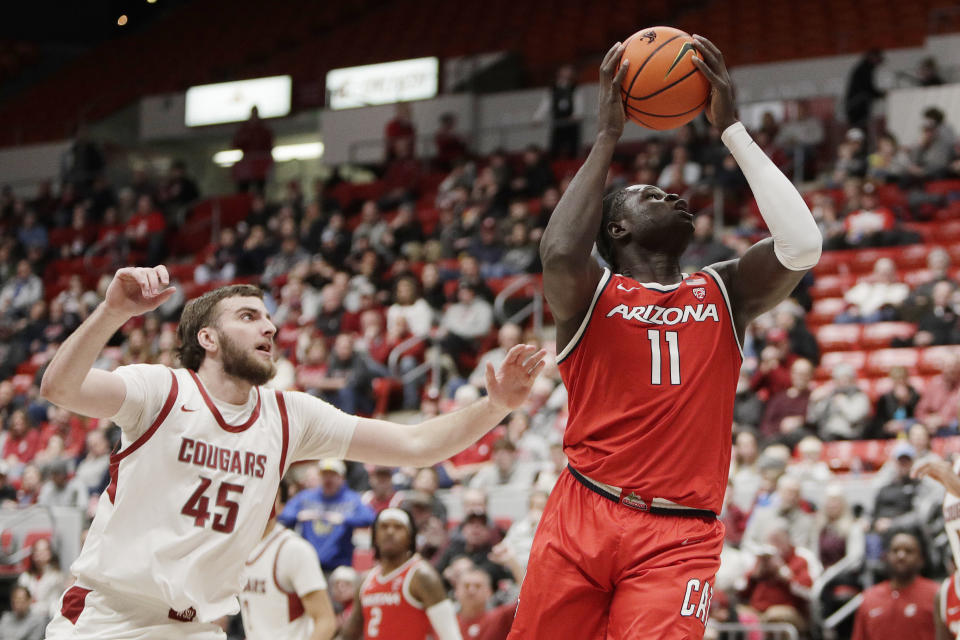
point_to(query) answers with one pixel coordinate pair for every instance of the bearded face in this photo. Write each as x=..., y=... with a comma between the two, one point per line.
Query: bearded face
x=242, y=364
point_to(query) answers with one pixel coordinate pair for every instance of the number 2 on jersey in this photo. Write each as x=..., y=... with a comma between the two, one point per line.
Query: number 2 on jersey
x=673, y=347
x=197, y=506
x=373, y=627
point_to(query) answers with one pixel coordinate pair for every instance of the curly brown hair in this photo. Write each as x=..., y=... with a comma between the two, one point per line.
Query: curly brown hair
x=201, y=312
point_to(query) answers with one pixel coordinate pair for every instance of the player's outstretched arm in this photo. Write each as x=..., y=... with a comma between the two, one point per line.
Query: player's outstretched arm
x=318, y=606
x=940, y=471
x=570, y=276
x=427, y=587
x=768, y=271
x=392, y=444
x=353, y=627
x=70, y=381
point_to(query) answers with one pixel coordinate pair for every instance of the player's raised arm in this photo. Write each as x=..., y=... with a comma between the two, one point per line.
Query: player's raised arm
x=422, y=445
x=570, y=276
x=70, y=381
x=769, y=270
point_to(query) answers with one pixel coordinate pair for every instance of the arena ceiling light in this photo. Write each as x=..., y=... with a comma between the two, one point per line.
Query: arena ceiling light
x=386, y=83
x=281, y=153
x=231, y=101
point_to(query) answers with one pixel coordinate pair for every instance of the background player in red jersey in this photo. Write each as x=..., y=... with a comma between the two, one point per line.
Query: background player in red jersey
x=403, y=597
x=629, y=543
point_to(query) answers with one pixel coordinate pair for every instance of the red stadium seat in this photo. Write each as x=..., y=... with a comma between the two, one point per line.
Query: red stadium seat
x=878, y=335
x=825, y=310
x=831, y=285
x=916, y=277
x=943, y=187
x=362, y=559
x=856, y=359
x=913, y=256
x=932, y=358
x=839, y=337
x=880, y=362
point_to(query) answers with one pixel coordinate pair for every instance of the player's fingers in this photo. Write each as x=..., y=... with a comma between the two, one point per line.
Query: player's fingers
x=533, y=373
x=142, y=280
x=531, y=360
x=162, y=274
x=153, y=280
x=611, y=55
x=621, y=73
x=513, y=356
x=714, y=49
x=705, y=70
x=706, y=56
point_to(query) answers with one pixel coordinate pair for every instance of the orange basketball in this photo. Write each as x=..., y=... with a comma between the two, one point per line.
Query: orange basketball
x=662, y=88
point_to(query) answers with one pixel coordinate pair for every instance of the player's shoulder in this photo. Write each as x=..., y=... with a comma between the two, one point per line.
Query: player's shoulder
x=294, y=544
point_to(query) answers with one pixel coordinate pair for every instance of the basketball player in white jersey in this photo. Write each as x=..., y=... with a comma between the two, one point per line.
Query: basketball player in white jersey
x=203, y=449
x=284, y=594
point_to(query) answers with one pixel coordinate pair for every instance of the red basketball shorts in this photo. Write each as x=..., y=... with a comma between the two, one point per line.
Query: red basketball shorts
x=601, y=570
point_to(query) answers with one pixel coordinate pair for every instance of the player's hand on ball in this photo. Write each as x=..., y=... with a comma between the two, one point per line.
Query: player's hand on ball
x=136, y=290
x=610, y=117
x=510, y=385
x=721, y=110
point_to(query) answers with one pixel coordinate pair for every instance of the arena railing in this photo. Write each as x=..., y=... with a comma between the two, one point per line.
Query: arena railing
x=533, y=308
x=431, y=362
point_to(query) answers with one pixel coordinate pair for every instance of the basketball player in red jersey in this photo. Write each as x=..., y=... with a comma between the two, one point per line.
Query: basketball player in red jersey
x=629, y=543
x=403, y=597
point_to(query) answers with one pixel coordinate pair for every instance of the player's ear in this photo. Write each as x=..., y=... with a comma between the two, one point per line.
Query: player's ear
x=207, y=338
x=616, y=230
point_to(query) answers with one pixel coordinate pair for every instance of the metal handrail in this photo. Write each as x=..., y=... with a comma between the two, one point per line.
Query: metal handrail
x=431, y=362
x=843, y=612
x=775, y=629
x=534, y=307
x=846, y=563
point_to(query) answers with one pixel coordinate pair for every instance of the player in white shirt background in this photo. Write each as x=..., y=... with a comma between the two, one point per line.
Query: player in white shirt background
x=203, y=449
x=284, y=594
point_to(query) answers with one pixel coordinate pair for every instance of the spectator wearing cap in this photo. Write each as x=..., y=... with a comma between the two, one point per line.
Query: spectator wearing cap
x=465, y=323
x=940, y=401
x=502, y=469
x=478, y=620
x=327, y=515
x=422, y=499
x=60, y=490
x=381, y=490
x=840, y=410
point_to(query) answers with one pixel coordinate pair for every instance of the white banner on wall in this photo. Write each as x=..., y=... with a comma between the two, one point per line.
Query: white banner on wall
x=384, y=83
x=231, y=101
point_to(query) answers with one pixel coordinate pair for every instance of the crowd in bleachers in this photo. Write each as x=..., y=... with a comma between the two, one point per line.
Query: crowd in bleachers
x=367, y=282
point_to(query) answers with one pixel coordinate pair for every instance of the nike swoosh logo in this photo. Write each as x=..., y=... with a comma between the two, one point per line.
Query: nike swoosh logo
x=687, y=46
x=689, y=541
x=184, y=408
x=953, y=610
x=623, y=288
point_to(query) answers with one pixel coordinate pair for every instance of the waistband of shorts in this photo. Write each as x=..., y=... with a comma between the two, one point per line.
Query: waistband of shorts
x=142, y=604
x=656, y=506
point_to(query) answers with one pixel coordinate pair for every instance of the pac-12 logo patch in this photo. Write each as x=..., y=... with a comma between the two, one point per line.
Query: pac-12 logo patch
x=700, y=293
x=634, y=502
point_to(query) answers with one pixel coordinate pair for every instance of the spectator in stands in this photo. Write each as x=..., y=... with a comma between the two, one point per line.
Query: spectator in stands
x=43, y=578
x=381, y=491
x=488, y=249
x=343, y=590
x=353, y=376
x=423, y=491
x=411, y=306
x=878, y=297
x=21, y=623
x=932, y=156
x=772, y=375
x=785, y=415
x=30, y=483
x=862, y=89
x=476, y=539
x=894, y=505
x=682, y=172
x=535, y=174
x=465, y=323
x=940, y=400
x=851, y=161
x=564, y=107
x=802, y=342
x=745, y=477
x=522, y=254
x=20, y=292
x=22, y=442
x=401, y=180
x=532, y=447
x=470, y=273
x=840, y=411
x=31, y=234
x=519, y=536
x=255, y=139
x=60, y=490
x=747, y=407
x=803, y=133
x=326, y=516
x=813, y=473
x=508, y=336
x=839, y=534
x=8, y=493
x=451, y=146
x=901, y=607
x=872, y=225
x=889, y=163
x=503, y=468
x=399, y=131
x=71, y=428
x=286, y=260
x=329, y=318
x=179, y=189
x=82, y=161
x=920, y=299
x=220, y=264
x=785, y=506
x=92, y=469
x=704, y=249
x=145, y=230
x=894, y=410
x=473, y=592
x=939, y=324
x=778, y=586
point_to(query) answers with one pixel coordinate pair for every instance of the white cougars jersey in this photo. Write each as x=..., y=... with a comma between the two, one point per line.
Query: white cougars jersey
x=281, y=568
x=951, y=520
x=193, y=486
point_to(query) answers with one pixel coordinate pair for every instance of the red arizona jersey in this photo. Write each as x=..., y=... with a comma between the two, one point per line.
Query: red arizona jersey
x=651, y=375
x=950, y=604
x=389, y=611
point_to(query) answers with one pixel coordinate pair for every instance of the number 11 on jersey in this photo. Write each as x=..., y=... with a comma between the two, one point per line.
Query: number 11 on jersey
x=673, y=347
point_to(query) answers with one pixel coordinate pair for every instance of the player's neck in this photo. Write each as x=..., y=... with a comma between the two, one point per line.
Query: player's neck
x=221, y=386
x=902, y=582
x=470, y=611
x=388, y=565
x=645, y=266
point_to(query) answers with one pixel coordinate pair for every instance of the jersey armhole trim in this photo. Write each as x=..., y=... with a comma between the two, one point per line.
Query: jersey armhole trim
x=575, y=340
x=116, y=458
x=726, y=299
x=285, y=432
x=405, y=589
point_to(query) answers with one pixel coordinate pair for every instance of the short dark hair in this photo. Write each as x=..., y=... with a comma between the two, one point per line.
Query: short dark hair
x=201, y=312
x=610, y=208
x=413, y=533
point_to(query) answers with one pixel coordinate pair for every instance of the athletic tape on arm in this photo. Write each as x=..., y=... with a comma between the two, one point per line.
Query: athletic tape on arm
x=796, y=239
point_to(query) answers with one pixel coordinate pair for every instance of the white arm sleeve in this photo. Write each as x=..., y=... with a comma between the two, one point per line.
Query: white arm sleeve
x=796, y=239
x=444, y=621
